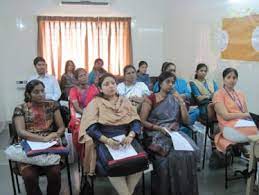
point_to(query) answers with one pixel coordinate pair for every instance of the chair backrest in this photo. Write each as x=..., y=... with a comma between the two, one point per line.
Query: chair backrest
x=211, y=113
x=65, y=113
x=12, y=132
x=153, y=80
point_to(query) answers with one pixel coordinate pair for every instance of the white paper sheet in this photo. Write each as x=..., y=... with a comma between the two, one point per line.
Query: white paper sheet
x=244, y=123
x=41, y=145
x=78, y=115
x=122, y=152
x=179, y=142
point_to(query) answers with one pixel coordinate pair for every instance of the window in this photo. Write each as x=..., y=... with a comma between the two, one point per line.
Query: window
x=83, y=39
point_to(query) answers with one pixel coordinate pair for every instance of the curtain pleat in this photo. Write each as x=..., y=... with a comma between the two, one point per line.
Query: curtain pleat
x=83, y=39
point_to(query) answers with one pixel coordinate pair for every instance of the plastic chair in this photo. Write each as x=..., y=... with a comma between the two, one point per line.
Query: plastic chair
x=208, y=120
x=14, y=165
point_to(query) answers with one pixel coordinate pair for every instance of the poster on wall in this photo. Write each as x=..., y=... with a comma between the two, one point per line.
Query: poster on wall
x=243, y=38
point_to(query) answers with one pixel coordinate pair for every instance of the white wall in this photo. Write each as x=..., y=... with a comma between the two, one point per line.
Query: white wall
x=191, y=38
x=176, y=30
x=19, y=46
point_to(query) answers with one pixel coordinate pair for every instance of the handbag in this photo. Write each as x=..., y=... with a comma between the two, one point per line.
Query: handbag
x=107, y=166
x=157, y=142
x=16, y=153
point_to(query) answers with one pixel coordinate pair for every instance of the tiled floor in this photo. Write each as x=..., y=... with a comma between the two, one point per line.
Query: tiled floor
x=211, y=182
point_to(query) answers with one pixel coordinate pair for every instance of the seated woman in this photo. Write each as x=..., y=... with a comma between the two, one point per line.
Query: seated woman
x=130, y=88
x=97, y=72
x=79, y=97
x=202, y=88
x=142, y=75
x=109, y=115
x=175, y=170
x=181, y=86
x=230, y=106
x=68, y=79
x=38, y=120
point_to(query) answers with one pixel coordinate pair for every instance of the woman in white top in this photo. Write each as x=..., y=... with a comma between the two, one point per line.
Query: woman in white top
x=132, y=89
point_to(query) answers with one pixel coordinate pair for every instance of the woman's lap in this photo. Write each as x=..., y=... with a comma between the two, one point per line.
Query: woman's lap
x=234, y=135
x=175, y=172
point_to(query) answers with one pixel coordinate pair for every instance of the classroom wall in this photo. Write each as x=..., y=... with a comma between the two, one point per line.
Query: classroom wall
x=166, y=30
x=193, y=36
x=19, y=45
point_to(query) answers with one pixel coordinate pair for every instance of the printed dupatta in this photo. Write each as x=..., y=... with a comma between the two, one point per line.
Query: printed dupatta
x=204, y=90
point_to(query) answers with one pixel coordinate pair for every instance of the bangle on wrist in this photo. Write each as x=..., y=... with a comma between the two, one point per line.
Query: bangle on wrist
x=106, y=140
x=131, y=134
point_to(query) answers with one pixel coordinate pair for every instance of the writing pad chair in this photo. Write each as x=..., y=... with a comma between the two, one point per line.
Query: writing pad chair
x=193, y=131
x=14, y=170
x=209, y=119
x=254, y=158
x=238, y=174
x=232, y=151
x=248, y=173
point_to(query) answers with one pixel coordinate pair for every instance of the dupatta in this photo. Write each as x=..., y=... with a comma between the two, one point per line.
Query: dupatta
x=202, y=89
x=104, y=112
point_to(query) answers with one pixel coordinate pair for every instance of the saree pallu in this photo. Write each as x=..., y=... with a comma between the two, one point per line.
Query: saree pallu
x=175, y=172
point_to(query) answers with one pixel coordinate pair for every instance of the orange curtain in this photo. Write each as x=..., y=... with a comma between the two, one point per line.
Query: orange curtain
x=83, y=39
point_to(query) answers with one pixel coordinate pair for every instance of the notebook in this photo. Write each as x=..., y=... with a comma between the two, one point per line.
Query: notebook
x=51, y=150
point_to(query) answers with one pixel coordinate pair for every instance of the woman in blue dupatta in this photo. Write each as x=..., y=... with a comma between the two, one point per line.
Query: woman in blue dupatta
x=142, y=75
x=97, y=72
x=203, y=89
x=174, y=170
